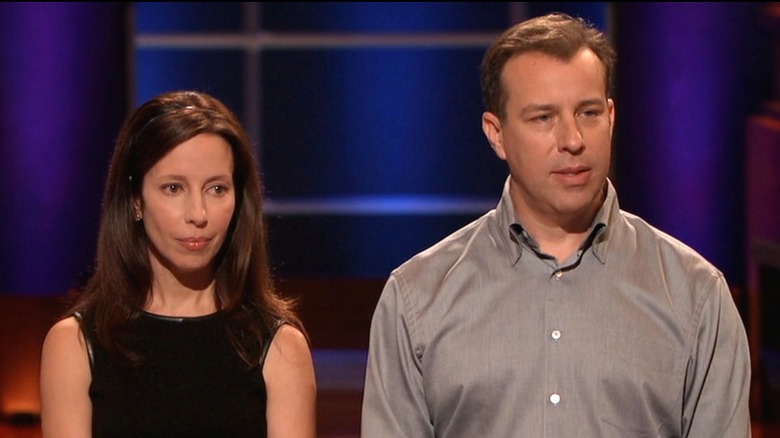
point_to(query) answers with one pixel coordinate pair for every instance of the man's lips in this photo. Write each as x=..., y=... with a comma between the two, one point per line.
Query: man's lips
x=572, y=170
x=574, y=175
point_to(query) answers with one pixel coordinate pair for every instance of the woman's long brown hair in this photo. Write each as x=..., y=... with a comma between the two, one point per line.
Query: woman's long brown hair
x=118, y=287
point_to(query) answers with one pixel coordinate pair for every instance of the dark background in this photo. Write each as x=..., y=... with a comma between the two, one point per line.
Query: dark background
x=366, y=118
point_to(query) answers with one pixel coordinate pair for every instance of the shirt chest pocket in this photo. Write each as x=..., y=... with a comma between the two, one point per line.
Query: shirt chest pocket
x=641, y=385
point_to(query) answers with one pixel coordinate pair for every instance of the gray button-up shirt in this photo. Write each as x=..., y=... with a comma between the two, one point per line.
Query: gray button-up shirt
x=483, y=336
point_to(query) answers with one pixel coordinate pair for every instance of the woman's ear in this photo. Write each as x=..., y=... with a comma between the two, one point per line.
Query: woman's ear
x=137, y=210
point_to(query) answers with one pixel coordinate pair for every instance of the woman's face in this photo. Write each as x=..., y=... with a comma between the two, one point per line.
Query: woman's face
x=187, y=202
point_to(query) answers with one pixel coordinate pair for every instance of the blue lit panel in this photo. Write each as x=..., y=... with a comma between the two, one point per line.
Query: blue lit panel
x=370, y=151
x=218, y=72
x=375, y=121
x=373, y=17
x=188, y=17
x=352, y=246
x=595, y=12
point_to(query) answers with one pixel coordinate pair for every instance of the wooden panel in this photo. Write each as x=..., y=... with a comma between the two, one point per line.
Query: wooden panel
x=336, y=312
x=24, y=321
x=763, y=237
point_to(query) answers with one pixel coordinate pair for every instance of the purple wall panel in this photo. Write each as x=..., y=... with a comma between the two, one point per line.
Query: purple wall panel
x=688, y=76
x=63, y=87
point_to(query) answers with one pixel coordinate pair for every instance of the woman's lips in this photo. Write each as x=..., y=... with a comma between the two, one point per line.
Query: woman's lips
x=195, y=244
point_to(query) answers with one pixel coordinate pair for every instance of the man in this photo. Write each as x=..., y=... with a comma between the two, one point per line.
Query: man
x=556, y=314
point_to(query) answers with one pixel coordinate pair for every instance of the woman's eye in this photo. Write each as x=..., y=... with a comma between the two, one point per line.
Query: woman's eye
x=219, y=190
x=172, y=188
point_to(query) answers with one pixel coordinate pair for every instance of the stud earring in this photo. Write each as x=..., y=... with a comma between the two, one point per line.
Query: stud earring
x=138, y=217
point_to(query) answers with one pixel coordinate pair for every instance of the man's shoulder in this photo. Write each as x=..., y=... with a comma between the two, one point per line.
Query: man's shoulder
x=443, y=254
x=659, y=242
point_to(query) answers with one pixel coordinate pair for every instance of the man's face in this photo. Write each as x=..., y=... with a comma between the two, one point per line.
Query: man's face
x=556, y=137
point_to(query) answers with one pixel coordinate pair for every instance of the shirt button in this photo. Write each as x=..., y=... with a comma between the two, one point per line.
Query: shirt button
x=556, y=334
x=558, y=274
x=555, y=398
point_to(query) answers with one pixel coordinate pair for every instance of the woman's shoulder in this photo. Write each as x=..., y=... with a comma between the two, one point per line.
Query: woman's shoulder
x=64, y=345
x=290, y=343
x=289, y=363
x=66, y=330
x=291, y=335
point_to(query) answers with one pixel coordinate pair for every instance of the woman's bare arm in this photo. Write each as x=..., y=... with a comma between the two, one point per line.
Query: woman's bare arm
x=291, y=386
x=66, y=410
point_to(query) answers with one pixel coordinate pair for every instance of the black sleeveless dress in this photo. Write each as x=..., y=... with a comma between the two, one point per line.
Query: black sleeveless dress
x=191, y=383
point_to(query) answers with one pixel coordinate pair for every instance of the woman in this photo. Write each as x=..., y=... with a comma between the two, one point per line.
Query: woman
x=179, y=331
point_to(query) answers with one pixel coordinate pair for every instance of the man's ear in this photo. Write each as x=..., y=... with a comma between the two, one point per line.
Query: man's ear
x=611, y=108
x=491, y=126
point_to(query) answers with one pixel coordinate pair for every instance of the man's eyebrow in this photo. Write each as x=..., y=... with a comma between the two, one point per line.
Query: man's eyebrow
x=594, y=101
x=534, y=107
x=538, y=108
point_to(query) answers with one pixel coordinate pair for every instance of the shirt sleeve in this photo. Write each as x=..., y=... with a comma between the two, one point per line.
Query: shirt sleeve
x=393, y=396
x=718, y=387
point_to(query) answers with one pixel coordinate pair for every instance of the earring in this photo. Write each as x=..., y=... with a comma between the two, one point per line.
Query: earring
x=138, y=217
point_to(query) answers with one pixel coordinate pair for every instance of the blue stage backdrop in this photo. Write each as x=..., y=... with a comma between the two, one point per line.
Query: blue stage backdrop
x=382, y=130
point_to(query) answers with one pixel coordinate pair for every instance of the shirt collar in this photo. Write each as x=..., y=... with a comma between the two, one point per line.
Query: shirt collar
x=506, y=233
x=604, y=223
x=511, y=234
